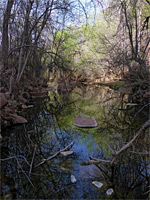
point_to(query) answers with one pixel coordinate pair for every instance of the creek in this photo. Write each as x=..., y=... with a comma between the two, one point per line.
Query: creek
x=50, y=129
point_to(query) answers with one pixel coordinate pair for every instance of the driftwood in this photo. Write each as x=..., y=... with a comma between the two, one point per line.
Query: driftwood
x=56, y=154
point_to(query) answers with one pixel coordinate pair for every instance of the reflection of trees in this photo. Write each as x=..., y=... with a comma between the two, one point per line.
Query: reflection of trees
x=27, y=146
x=45, y=134
x=129, y=175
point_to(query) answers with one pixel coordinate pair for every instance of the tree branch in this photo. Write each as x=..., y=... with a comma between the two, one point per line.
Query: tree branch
x=98, y=161
x=57, y=153
x=142, y=129
x=148, y=1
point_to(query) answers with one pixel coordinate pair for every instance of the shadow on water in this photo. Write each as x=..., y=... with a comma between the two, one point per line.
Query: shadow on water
x=49, y=129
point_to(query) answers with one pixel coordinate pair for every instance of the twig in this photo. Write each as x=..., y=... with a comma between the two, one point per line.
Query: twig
x=94, y=161
x=141, y=153
x=16, y=157
x=141, y=109
x=109, y=147
x=25, y=173
x=142, y=129
x=19, y=156
x=57, y=153
x=32, y=161
x=99, y=160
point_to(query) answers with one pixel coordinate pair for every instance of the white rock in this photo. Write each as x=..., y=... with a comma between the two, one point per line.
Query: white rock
x=67, y=153
x=109, y=191
x=30, y=106
x=97, y=184
x=73, y=179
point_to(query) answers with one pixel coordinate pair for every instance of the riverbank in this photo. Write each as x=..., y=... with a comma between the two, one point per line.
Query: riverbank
x=11, y=109
x=50, y=129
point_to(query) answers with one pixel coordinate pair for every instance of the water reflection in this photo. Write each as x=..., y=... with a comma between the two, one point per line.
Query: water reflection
x=50, y=130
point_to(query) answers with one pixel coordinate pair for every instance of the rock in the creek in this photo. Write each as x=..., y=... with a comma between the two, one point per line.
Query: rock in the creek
x=73, y=179
x=30, y=106
x=3, y=100
x=67, y=153
x=97, y=184
x=85, y=122
x=109, y=191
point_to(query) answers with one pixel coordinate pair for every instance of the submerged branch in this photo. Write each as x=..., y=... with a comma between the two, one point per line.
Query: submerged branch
x=98, y=161
x=94, y=161
x=20, y=166
x=57, y=153
x=142, y=129
x=24, y=173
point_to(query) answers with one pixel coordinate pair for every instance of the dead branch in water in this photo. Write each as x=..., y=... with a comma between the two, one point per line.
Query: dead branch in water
x=142, y=129
x=57, y=153
x=94, y=161
x=98, y=161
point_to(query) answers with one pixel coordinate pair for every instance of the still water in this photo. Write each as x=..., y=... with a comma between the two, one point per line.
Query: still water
x=50, y=129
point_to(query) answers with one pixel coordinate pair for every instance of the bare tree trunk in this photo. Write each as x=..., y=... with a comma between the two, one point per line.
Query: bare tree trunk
x=23, y=67
x=139, y=26
x=24, y=40
x=46, y=15
x=5, y=43
x=136, y=30
x=124, y=41
x=129, y=26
